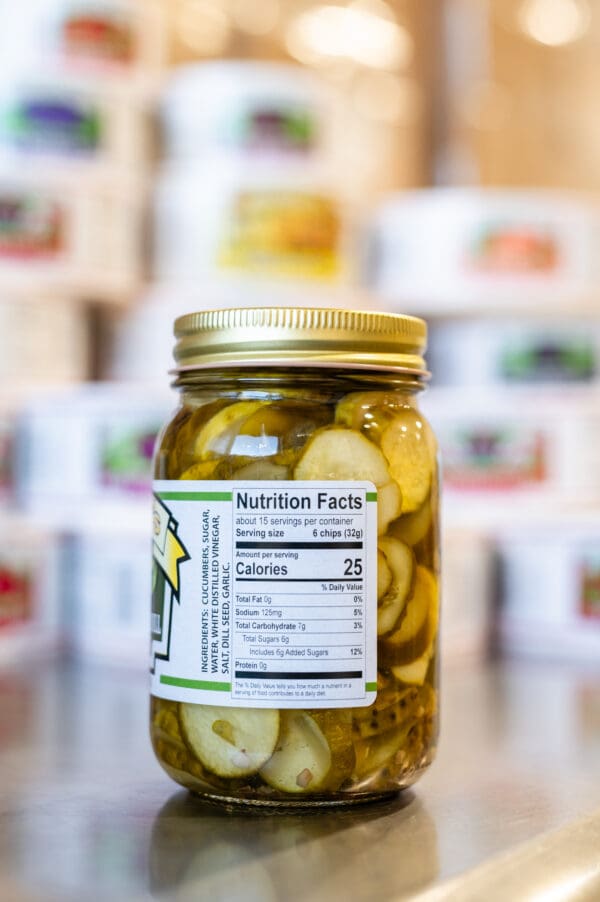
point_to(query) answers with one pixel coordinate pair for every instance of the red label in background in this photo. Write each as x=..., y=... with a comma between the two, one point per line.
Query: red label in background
x=97, y=38
x=15, y=597
x=493, y=459
x=514, y=250
x=30, y=227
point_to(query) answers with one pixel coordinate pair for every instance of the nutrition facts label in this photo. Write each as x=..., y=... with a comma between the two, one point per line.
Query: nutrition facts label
x=284, y=595
x=301, y=618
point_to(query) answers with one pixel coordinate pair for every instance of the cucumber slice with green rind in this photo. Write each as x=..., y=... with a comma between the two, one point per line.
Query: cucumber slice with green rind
x=409, y=449
x=384, y=575
x=302, y=758
x=217, y=435
x=400, y=560
x=412, y=528
x=389, y=505
x=417, y=626
x=230, y=742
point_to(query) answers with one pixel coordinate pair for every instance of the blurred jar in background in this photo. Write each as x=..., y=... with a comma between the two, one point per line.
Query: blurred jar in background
x=111, y=38
x=245, y=195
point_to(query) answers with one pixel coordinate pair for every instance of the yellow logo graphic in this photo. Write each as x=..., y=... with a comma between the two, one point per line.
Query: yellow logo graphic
x=168, y=551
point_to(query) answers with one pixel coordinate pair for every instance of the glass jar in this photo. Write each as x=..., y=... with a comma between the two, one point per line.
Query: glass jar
x=296, y=566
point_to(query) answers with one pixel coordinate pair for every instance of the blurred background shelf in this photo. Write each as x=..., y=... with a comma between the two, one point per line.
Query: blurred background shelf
x=158, y=157
x=161, y=156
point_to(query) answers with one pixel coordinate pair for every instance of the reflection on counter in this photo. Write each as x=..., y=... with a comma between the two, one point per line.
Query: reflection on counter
x=85, y=811
x=202, y=852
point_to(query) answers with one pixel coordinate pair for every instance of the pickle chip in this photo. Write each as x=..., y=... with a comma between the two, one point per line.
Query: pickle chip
x=205, y=469
x=409, y=450
x=389, y=505
x=216, y=437
x=179, y=438
x=350, y=410
x=302, y=757
x=412, y=528
x=407, y=703
x=415, y=672
x=367, y=412
x=400, y=561
x=230, y=742
x=268, y=419
x=261, y=469
x=379, y=751
x=168, y=741
x=384, y=575
x=338, y=453
x=165, y=719
x=419, y=622
x=336, y=726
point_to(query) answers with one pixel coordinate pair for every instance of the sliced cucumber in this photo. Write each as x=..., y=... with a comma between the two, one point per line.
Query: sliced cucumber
x=336, y=727
x=217, y=435
x=380, y=718
x=230, y=742
x=414, y=673
x=384, y=575
x=413, y=635
x=412, y=528
x=204, y=469
x=351, y=409
x=409, y=448
x=338, y=453
x=302, y=758
x=261, y=469
x=389, y=505
x=368, y=412
x=377, y=751
x=400, y=560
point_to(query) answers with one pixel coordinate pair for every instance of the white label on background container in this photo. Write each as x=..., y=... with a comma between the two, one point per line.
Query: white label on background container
x=264, y=593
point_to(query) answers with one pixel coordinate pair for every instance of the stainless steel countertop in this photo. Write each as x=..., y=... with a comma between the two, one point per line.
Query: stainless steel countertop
x=87, y=814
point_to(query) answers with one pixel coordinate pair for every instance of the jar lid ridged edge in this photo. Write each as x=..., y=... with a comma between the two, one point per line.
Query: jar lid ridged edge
x=250, y=334
x=366, y=321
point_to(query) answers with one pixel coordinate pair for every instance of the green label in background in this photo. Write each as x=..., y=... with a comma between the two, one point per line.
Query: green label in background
x=291, y=129
x=126, y=457
x=552, y=360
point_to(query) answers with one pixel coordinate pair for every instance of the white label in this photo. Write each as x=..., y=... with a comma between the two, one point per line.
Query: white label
x=265, y=593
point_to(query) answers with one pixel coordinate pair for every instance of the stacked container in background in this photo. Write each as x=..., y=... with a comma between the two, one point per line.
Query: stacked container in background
x=508, y=280
x=247, y=208
x=78, y=82
x=241, y=212
x=244, y=211
x=243, y=199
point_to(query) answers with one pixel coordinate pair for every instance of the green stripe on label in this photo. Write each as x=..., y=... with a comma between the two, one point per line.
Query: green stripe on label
x=371, y=687
x=371, y=496
x=195, y=496
x=195, y=684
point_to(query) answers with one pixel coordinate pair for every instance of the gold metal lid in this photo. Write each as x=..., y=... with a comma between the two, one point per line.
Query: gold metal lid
x=300, y=336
